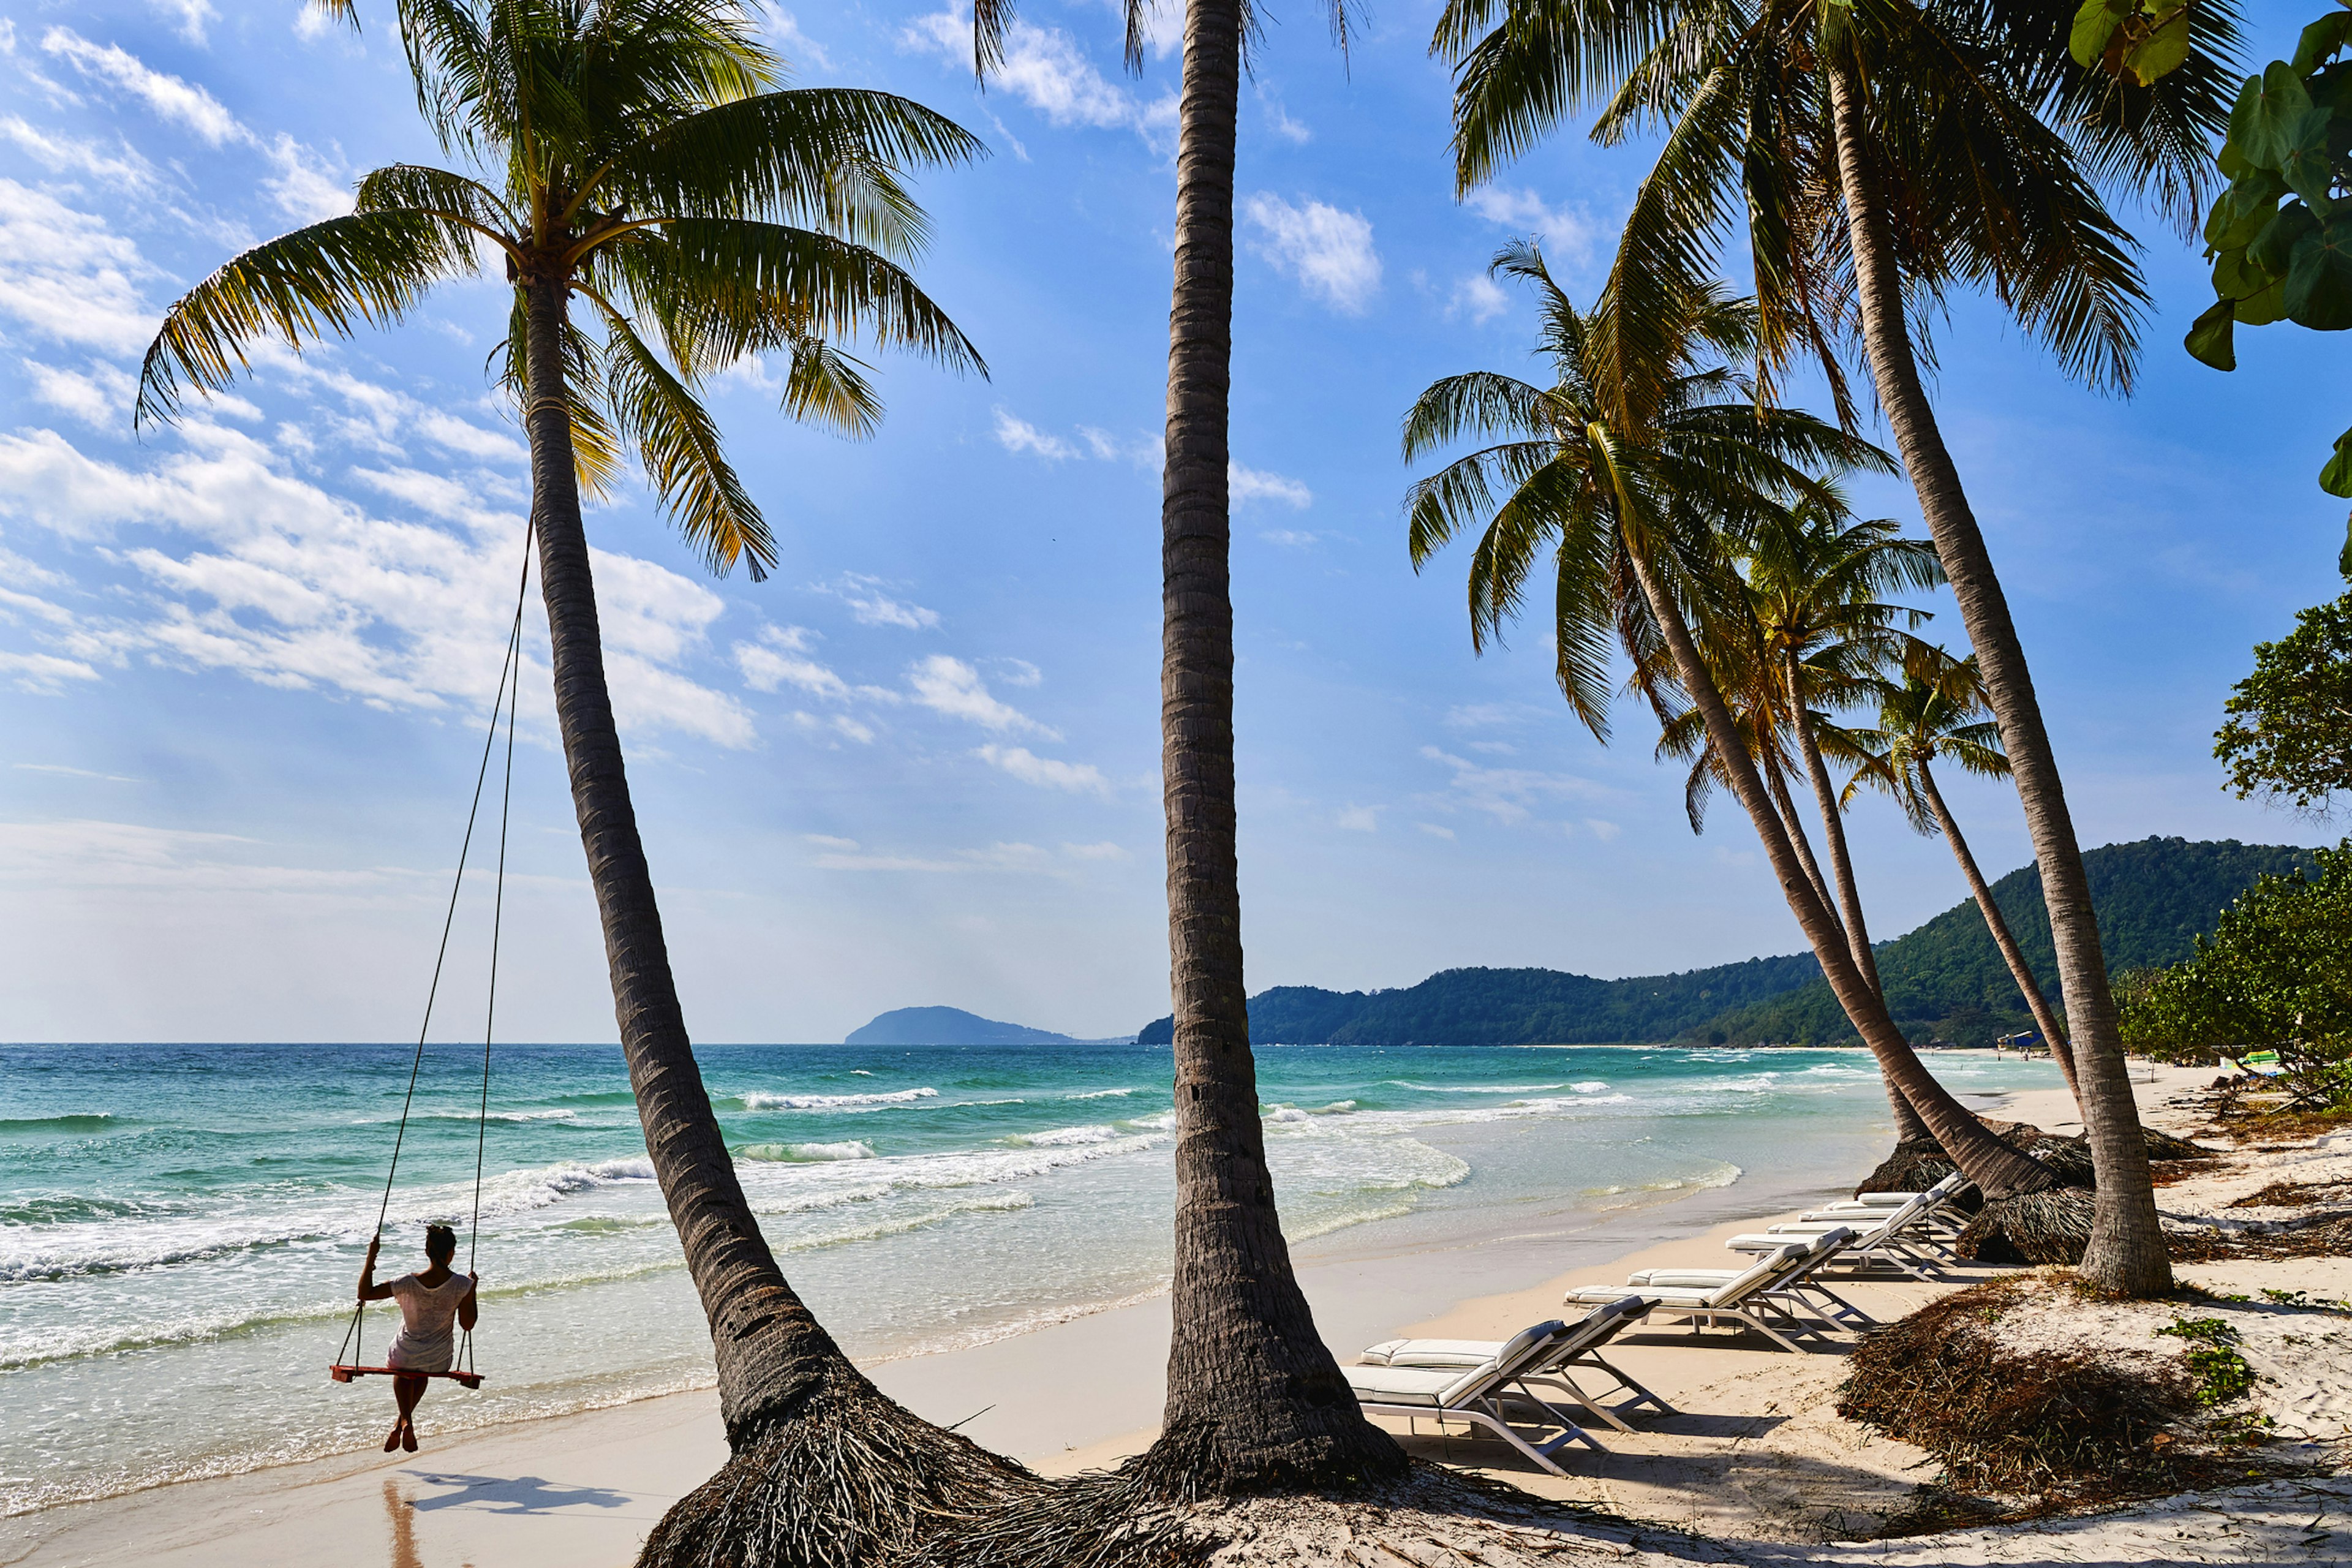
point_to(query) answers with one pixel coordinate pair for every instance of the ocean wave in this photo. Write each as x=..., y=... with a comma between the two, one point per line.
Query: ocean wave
x=1475, y=1087
x=176, y=1235
x=1063, y=1137
x=762, y=1100
x=1720, y=1175
x=900, y=1224
x=1100, y=1094
x=850, y=1149
x=1593, y=1086
x=89, y=1122
x=1160, y=1122
x=1027, y=1323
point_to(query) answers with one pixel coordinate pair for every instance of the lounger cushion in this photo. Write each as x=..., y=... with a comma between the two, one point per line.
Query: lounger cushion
x=1432, y=1353
x=1688, y=1278
x=1404, y=1384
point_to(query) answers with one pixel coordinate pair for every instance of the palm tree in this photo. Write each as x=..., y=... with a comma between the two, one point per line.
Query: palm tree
x=1883, y=152
x=1937, y=710
x=1255, y=1398
x=1636, y=471
x=638, y=155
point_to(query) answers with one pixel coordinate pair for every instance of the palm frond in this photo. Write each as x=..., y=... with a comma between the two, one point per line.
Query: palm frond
x=327, y=277
x=677, y=443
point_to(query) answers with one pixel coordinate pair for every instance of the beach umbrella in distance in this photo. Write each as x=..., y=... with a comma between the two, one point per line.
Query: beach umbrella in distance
x=662, y=207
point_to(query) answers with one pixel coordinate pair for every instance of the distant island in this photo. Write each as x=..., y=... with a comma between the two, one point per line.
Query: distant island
x=948, y=1026
x=1944, y=980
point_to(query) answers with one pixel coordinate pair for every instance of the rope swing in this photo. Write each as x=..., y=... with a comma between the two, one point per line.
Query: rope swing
x=349, y=1361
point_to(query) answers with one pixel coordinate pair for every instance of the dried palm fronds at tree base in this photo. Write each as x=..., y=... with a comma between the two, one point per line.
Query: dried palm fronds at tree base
x=846, y=1477
x=2051, y=1227
x=1430, y=1516
x=2329, y=1236
x=2068, y=1426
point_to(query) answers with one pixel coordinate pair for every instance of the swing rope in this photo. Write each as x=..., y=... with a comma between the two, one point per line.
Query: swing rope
x=507, y=698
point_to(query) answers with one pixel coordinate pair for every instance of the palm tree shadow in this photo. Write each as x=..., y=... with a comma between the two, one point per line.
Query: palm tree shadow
x=513, y=1494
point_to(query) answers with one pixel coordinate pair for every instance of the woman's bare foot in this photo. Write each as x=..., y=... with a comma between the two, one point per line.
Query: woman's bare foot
x=408, y=1437
x=391, y=1438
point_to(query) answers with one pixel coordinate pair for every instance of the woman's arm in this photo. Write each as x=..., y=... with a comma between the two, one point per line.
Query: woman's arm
x=469, y=1309
x=369, y=1290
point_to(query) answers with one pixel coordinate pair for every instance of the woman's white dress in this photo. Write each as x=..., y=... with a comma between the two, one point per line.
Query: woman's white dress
x=427, y=1340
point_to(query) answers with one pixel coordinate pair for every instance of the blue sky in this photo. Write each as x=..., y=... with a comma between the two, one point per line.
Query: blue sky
x=244, y=663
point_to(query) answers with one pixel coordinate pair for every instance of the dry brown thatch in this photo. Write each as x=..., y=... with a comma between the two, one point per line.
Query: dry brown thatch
x=2014, y=1423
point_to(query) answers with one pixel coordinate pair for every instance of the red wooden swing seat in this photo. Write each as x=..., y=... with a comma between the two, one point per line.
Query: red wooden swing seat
x=343, y=1372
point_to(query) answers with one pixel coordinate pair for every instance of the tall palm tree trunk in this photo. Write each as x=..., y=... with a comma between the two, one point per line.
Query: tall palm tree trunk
x=1849, y=891
x=1993, y=1165
x=770, y=1348
x=2127, y=1254
x=1910, y=1132
x=2011, y=954
x=1254, y=1399
x=826, y=1469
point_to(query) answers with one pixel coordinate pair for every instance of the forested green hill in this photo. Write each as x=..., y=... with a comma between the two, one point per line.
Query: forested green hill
x=1944, y=980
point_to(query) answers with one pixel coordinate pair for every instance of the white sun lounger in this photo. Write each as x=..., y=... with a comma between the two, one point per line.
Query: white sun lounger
x=1478, y=1394
x=1801, y=1293
x=1897, y=1239
x=1578, y=1350
x=1761, y=1297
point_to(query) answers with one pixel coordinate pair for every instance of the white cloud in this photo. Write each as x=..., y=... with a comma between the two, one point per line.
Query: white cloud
x=99, y=396
x=1605, y=831
x=1017, y=435
x=1105, y=851
x=870, y=606
x=181, y=103
x=1019, y=672
x=1565, y=234
x=1478, y=297
x=68, y=276
x=307, y=188
x=42, y=672
x=64, y=770
x=1359, y=819
x=1147, y=452
x=193, y=15
x=795, y=44
x=1435, y=831
x=120, y=166
x=1290, y=537
x=1482, y=715
x=290, y=586
x=779, y=659
x=1256, y=484
x=1278, y=120
x=1328, y=251
x=1508, y=795
x=1045, y=772
x=1000, y=856
x=1045, y=68
x=953, y=688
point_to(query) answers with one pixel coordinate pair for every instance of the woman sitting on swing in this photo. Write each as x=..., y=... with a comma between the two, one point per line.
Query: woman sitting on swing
x=431, y=1302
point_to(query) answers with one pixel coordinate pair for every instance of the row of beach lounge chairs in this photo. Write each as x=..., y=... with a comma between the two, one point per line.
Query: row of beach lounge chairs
x=1785, y=1294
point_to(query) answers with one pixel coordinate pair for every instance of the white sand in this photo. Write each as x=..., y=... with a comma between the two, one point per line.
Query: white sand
x=1758, y=1454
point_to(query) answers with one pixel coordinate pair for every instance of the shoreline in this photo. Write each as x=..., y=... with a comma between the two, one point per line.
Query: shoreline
x=589, y=1483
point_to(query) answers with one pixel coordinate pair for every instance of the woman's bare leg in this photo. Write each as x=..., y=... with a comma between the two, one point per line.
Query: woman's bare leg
x=408, y=1391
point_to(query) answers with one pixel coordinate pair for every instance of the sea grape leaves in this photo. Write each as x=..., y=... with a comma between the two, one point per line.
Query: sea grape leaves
x=2280, y=236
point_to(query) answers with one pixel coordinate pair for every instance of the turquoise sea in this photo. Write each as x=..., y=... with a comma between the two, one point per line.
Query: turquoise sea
x=180, y=1225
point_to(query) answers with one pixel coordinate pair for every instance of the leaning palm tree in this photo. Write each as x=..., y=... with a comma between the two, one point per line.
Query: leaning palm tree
x=1635, y=472
x=1883, y=152
x=1815, y=581
x=1255, y=1398
x=639, y=165
x=1938, y=710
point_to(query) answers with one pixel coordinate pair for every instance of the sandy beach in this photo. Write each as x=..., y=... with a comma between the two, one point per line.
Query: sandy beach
x=1760, y=1455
